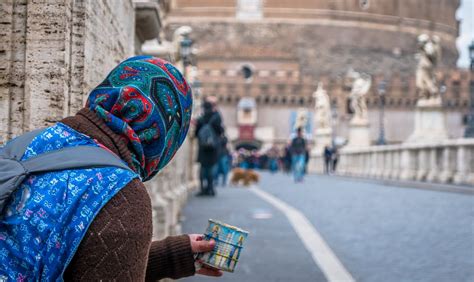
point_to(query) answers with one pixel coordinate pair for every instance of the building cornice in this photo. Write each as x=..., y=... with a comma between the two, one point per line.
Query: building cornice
x=147, y=20
x=317, y=17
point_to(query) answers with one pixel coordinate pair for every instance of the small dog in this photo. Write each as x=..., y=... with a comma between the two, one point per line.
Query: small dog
x=246, y=176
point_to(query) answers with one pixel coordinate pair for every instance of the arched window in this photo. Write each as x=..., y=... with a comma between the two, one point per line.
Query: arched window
x=247, y=72
x=266, y=100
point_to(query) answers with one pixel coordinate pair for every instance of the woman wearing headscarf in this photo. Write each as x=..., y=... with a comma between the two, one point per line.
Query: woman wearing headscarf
x=96, y=223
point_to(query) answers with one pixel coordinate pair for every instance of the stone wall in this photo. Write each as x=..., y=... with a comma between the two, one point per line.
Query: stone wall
x=52, y=53
x=277, y=95
x=327, y=36
x=321, y=49
x=319, y=40
x=442, y=12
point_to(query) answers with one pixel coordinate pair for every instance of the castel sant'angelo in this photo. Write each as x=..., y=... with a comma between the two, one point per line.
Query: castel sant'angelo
x=277, y=51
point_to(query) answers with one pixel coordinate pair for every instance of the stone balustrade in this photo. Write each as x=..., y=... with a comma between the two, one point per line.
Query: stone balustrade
x=450, y=161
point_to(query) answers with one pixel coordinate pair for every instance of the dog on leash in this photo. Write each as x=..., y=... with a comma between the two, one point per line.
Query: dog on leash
x=244, y=176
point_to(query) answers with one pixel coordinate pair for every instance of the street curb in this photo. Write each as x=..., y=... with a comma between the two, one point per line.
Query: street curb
x=449, y=188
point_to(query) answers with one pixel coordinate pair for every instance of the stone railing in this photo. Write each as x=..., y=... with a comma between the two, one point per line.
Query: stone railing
x=451, y=161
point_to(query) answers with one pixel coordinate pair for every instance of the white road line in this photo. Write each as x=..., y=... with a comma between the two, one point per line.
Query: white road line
x=322, y=255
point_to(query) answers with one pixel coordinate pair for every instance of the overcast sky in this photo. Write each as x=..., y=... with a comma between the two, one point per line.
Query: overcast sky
x=466, y=15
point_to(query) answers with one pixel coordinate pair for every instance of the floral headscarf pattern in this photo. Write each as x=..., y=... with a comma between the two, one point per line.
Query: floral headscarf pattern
x=148, y=102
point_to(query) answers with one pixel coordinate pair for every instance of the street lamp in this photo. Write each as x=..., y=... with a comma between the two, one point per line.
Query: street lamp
x=469, y=133
x=381, y=91
x=471, y=55
x=185, y=52
x=334, y=123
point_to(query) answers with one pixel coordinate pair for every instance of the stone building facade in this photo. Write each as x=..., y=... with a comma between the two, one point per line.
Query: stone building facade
x=52, y=53
x=326, y=36
x=279, y=90
x=292, y=45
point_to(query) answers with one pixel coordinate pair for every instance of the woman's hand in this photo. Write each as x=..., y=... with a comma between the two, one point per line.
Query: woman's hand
x=198, y=245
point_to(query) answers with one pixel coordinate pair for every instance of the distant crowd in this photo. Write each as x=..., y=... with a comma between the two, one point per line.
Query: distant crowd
x=217, y=159
x=295, y=153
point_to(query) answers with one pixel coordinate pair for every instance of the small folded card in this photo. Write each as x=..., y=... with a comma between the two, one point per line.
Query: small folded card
x=229, y=240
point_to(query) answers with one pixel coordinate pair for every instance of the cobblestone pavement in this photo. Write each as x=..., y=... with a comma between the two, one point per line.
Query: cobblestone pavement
x=378, y=232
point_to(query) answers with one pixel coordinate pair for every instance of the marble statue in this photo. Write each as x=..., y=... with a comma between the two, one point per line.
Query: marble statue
x=428, y=57
x=322, y=119
x=359, y=131
x=301, y=119
x=322, y=109
x=361, y=83
x=430, y=118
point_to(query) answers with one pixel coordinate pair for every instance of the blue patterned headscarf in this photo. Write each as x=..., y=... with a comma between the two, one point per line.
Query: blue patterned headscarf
x=148, y=102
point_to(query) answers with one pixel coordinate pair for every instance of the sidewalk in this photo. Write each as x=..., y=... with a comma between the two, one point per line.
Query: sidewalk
x=378, y=232
x=273, y=251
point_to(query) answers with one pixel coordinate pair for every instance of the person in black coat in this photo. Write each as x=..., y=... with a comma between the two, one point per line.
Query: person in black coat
x=223, y=161
x=208, y=156
x=327, y=159
x=335, y=158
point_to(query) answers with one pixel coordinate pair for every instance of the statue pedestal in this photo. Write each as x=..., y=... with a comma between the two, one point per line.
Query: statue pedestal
x=430, y=122
x=322, y=138
x=359, y=134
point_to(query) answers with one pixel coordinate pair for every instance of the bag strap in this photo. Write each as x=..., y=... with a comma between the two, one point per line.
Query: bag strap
x=17, y=147
x=65, y=158
x=13, y=171
x=73, y=158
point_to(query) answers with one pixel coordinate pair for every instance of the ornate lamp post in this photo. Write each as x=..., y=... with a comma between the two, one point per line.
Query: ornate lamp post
x=381, y=92
x=469, y=133
x=471, y=55
x=334, y=116
x=185, y=52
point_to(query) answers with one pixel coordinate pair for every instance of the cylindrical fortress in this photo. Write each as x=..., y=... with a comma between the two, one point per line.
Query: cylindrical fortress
x=327, y=36
x=291, y=45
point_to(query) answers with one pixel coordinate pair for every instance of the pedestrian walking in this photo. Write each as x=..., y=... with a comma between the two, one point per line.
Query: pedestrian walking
x=306, y=161
x=334, y=158
x=223, y=165
x=82, y=211
x=298, y=155
x=327, y=159
x=273, y=159
x=208, y=129
x=287, y=158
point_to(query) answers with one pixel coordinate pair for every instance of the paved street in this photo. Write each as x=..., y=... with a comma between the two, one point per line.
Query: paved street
x=376, y=232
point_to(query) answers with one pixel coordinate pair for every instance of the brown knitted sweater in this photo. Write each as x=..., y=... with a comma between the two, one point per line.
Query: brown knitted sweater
x=118, y=243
